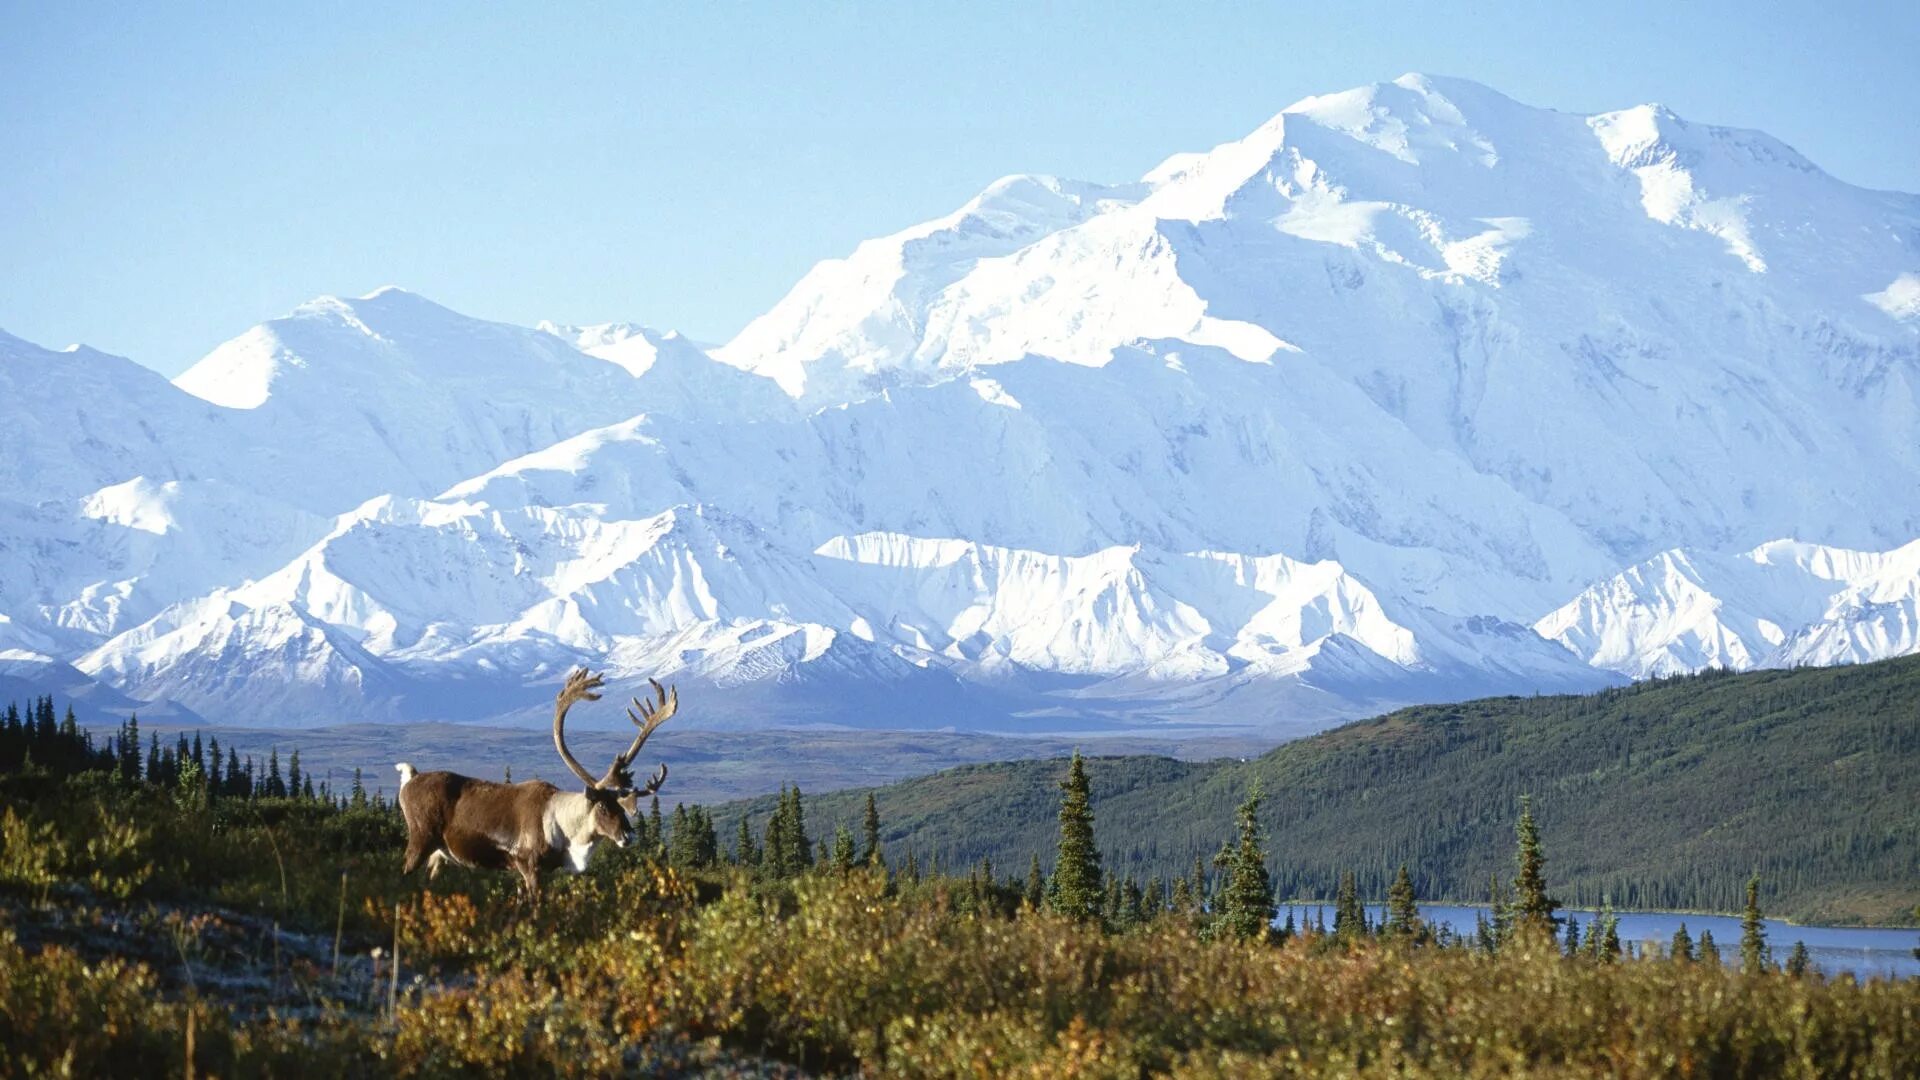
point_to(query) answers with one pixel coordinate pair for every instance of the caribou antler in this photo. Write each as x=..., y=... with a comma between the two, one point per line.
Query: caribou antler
x=650, y=716
x=580, y=686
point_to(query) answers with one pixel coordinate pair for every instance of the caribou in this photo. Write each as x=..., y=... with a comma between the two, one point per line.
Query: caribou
x=533, y=825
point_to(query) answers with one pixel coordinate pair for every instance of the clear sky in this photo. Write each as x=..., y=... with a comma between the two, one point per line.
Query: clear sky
x=171, y=174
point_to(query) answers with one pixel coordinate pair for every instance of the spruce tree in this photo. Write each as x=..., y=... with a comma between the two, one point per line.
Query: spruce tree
x=130, y=750
x=1798, y=961
x=1349, y=918
x=775, y=859
x=358, y=799
x=1403, y=912
x=744, y=853
x=293, y=774
x=1246, y=900
x=871, y=855
x=1533, y=909
x=843, y=850
x=1573, y=936
x=1133, y=902
x=1075, y=889
x=1502, y=913
x=1036, y=890
x=799, y=845
x=1754, y=955
x=1182, y=902
x=1681, y=948
x=680, y=840
x=276, y=785
x=657, y=830
x=1708, y=951
x=1609, y=935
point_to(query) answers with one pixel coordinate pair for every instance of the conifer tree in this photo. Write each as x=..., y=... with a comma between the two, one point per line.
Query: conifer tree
x=775, y=859
x=1403, y=912
x=1798, y=961
x=1349, y=918
x=680, y=840
x=657, y=830
x=843, y=850
x=1133, y=902
x=1110, y=911
x=1754, y=955
x=1502, y=913
x=744, y=853
x=1573, y=936
x=799, y=845
x=1681, y=948
x=871, y=855
x=1036, y=890
x=276, y=785
x=1182, y=902
x=293, y=774
x=1246, y=900
x=1708, y=951
x=1075, y=889
x=1533, y=909
x=1608, y=935
x=240, y=781
x=1201, y=885
x=358, y=799
x=215, y=779
x=130, y=750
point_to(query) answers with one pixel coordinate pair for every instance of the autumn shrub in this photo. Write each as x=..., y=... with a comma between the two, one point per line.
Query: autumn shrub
x=853, y=979
x=837, y=971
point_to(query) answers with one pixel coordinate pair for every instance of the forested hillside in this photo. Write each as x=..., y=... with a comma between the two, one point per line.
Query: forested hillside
x=1666, y=794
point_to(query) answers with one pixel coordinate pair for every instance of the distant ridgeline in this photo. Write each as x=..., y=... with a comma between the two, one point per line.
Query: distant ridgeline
x=1663, y=795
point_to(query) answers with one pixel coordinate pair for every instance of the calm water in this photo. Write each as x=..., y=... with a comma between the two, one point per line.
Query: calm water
x=1864, y=952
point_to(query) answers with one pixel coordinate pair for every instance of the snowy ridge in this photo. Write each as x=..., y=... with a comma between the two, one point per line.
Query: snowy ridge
x=1779, y=605
x=1414, y=392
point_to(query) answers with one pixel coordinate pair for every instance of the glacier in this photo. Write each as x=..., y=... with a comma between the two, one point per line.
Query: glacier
x=1414, y=393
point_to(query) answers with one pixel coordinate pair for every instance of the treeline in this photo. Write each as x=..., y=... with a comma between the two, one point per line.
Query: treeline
x=1664, y=795
x=33, y=739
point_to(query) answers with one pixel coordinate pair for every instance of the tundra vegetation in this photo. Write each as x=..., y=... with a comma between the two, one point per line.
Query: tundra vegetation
x=158, y=922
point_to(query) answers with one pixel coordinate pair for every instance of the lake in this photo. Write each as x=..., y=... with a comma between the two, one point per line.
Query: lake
x=1867, y=952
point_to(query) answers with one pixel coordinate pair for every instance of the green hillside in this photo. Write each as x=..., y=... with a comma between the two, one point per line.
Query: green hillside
x=1667, y=794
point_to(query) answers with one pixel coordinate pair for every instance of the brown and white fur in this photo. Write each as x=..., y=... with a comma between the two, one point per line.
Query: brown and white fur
x=533, y=825
x=526, y=827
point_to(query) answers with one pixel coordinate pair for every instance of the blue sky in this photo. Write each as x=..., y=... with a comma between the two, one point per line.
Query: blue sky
x=176, y=173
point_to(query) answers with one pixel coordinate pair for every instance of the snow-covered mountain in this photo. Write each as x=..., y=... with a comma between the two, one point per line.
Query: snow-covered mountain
x=1780, y=605
x=1334, y=416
